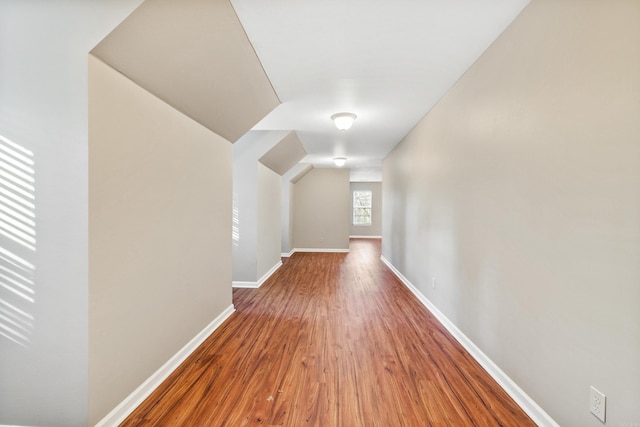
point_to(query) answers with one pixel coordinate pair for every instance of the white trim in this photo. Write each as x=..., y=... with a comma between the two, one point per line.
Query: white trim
x=269, y=273
x=255, y=285
x=537, y=414
x=131, y=402
x=287, y=255
x=365, y=237
x=319, y=250
x=250, y=285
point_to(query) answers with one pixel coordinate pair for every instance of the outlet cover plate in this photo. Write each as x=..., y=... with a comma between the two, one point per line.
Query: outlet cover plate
x=598, y=404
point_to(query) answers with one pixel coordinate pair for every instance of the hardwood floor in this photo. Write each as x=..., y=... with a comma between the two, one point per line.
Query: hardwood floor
x=330, y=340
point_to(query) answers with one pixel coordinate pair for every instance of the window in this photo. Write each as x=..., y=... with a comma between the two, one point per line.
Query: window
x=362, y=208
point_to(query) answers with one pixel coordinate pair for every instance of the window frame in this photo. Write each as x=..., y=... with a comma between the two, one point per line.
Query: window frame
x=355, y=207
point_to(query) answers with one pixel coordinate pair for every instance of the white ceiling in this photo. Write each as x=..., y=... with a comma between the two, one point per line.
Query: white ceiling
x=389, y=62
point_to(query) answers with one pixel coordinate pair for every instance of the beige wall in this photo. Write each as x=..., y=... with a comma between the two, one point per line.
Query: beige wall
x=269, y=221
x=520, y=193
x=194, y=55
x=322, y=210
x=288, y=245
x=375, y=229
x=159, y=234
x=289, y=179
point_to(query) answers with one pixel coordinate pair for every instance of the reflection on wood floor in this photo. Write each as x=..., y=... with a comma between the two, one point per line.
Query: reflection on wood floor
x=330, y=340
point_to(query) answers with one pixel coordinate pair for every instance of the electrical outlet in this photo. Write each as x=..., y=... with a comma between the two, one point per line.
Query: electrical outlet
x=433, y=282
x=598, y=404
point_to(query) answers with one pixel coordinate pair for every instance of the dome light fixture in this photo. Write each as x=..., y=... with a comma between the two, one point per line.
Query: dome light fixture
x=340, y=161
x=343, y=121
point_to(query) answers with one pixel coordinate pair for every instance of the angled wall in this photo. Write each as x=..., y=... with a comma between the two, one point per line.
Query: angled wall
x=519, y=193
x=284, y=155
x=159, y=234
x=194, y=55
x=43, y=133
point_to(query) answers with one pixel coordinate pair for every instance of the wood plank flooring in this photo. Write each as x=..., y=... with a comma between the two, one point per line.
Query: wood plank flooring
x=330, y=340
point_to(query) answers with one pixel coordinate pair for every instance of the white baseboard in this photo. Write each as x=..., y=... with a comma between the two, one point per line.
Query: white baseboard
x=365, y=237
x=294, y=250
x=255, y=285
x=131, y=402
x=269, y=273
x=250, y=285
x=320, y=250
x=535, y=412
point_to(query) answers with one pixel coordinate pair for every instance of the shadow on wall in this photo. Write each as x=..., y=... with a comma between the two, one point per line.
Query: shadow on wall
x=17, y=243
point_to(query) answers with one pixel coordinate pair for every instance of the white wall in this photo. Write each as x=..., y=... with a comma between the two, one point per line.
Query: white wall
x=269, y=217
x=246, y=152
x=43, y=110
x=375, y=229
x=245, y=218
x=519, y=192
x=322, y=210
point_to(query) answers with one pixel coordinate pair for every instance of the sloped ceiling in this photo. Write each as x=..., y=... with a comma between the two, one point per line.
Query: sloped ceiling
x=389, y=62
x=194, y=55
x=284, y=155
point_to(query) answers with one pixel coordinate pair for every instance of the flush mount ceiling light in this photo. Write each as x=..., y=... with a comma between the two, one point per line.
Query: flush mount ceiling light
x=340, y=161
x=343, y=121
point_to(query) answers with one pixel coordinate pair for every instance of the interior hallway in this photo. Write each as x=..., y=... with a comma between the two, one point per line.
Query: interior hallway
x=331, y=339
